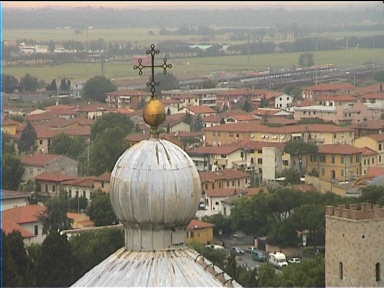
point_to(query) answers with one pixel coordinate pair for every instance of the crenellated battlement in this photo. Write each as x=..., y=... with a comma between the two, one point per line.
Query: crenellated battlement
x=357, y=211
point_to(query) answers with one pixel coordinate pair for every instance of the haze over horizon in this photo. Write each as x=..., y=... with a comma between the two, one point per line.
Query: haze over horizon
x=183, y=4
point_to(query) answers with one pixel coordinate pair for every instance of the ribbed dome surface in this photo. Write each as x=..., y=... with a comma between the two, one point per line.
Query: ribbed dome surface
x=155, y=183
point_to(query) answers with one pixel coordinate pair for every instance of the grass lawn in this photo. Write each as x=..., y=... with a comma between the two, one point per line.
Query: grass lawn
x=199, y=66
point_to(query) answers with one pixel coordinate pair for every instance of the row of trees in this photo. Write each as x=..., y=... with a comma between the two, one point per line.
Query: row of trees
x=281, y=212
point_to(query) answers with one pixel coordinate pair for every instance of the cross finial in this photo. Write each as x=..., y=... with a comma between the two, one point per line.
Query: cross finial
x=152, y=51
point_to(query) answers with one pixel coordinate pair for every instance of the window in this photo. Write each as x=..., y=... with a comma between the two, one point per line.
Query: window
x=285, y=162
x=341, y=272
x=223, y=156
x=342, y=160
x=260, y=161
x=238, y=182
x=260, y=151
x=373, y=160
x=380, y=147
x=216, y=203
x=41, y=142
x=378, y=278
x=84, y=194
x=213, y=185
x=365, y=161
x=333, y=159
x=237, y=135
x=233, y=183
x=53, y=188
x=206, y=186
x=242, y=154
x=46, y=187
x=36, y=228
x=379, y=158
x=322, y=158
x=342, y=172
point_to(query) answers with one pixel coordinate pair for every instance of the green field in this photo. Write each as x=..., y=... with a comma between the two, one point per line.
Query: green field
x=137, y=35
x=192, y=67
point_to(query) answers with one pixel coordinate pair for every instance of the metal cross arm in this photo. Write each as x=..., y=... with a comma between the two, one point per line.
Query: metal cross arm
x=153, y=51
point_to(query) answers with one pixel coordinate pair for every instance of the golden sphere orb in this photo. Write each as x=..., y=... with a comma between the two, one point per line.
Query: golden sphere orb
x=154, y=113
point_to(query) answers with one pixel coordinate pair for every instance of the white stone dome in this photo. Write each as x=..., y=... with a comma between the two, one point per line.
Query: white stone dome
x=155, y=187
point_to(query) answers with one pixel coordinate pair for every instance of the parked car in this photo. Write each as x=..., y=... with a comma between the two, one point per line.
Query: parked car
x=294, y=260
x=258, y=255
x=213, y=246
x=237, y=251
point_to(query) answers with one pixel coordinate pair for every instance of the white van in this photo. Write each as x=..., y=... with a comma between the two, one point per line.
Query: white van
x=278, y=259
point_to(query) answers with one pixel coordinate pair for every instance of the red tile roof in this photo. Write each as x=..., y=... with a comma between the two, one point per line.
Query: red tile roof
x=212, y=119
x=343, y=149
x=337, y=98
x=223, y=192
x=256, y=127
x=10, y=122
x=370, y=125
x=60, y=107
x=201, y=109
x=128, y=92
x=196, y=224
x=367, y=151
x=39, y=159
x=241, y=117
x=226, y=174
x=374, y=96
x=332, y=86
x=375, y=171
x=53, y=177
x=20, y=215
x=44, y=131
x=106, y=177
x=80, y=181
x=265, y=111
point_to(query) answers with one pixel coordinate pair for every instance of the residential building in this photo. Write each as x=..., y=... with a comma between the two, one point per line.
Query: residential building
x=49, y=184
x=202, y=111
x=39, y=163
x=369, y=159
x=10, y=127
x=374, y=142
x=12, y=199
x=317, y=133
x=79, y=187
x=282, y=101
x=126, y=98
x=26, y=220
x=354, y=245
x=199, y=231
x=369, y=127
x=176, y=123
x=327, y=89
x=336, y=162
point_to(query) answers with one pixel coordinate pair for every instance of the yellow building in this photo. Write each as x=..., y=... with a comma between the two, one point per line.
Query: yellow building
x=374, y=142
x=336, y=162
x=198, y=231
x=10, y=127
x=317, y=133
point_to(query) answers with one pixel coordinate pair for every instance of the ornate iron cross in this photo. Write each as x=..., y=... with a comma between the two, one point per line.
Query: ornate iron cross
x=153, y=51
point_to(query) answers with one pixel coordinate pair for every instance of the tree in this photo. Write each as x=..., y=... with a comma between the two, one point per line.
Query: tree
x=294, y=91
x=29, y=83
x=264, y=103
x=55, y=216
x=97, y=87
x=379, y=76
x=198, y=123
x=53, y=86
x=247, y=106
x=100, y=211
x=298, y=148
x=111, y=120
x=51, y=46
x=306, y=60
x=291, y=176
x=104, y=152
x=12, y=171
x=57, y=263
x=268, y=276
x=310, y=273
x=373, y=194
x=27, y=138
x=64, y=144
x=11, y=83
x=222, y=223
x=93, y=247
x=20, y=266
x=166, y=82
x=208, y=84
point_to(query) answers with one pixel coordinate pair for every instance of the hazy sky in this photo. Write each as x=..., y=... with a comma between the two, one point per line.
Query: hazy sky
x=179, y=4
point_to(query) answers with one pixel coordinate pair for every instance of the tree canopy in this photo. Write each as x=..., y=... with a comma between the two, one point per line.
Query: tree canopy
x=166, y=82
x=11, y=83
x=55, y=217
x=306, y=60
x=111, y=120
x=29, y=83
x=64, y=144
x=27, y=138
x=100, y=211
x=96, y=88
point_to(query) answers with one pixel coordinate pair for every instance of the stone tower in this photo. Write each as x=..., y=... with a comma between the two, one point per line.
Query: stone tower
x=354, y=246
